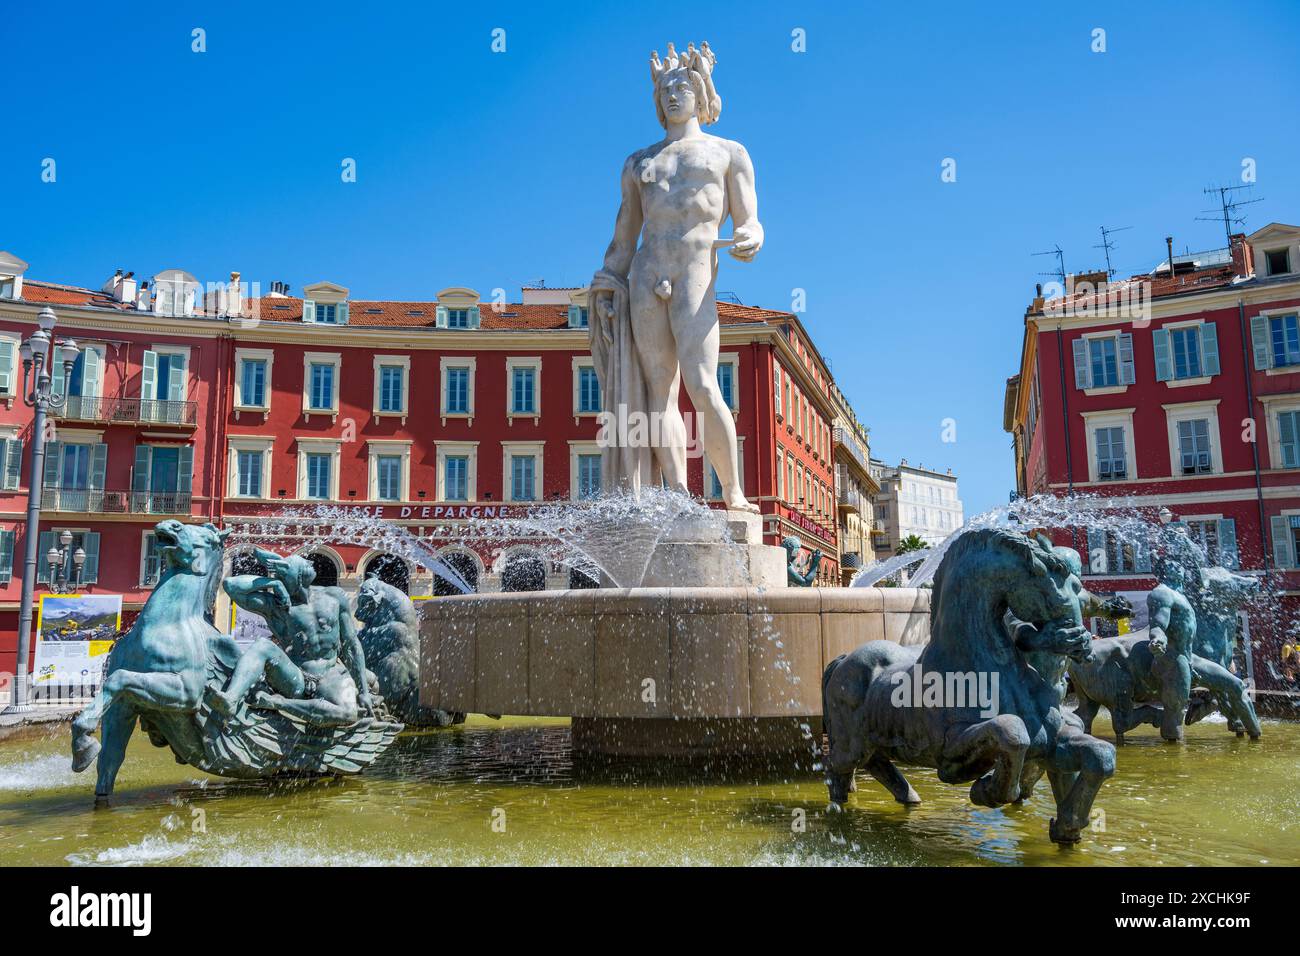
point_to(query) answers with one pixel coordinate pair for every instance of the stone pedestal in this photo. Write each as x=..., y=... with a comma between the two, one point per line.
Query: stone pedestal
x=692, y=553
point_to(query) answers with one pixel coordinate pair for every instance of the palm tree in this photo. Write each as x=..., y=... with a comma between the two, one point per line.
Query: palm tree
x=913, y=542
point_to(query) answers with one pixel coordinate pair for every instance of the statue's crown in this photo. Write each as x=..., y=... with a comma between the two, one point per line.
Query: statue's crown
x=699, y=61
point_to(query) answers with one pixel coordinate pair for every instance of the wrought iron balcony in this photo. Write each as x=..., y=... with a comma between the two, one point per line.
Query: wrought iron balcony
x=98, y=501
x=850, y=443
x=849, y=498
x=141, y=411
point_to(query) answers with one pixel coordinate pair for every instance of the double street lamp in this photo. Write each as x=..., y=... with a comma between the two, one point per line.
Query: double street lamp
x=38, y=393
x=65, y=564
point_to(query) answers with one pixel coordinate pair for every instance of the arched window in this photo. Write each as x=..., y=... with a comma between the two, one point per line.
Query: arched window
x=464, y=565
x=391, y=570
x=327, y=572
x=524, y=572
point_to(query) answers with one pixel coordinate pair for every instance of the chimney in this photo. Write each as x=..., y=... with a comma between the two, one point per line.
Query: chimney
x=142, y=298
x=126, y=289
x=113, y=284
x=1169, y=248
x=1243, y=256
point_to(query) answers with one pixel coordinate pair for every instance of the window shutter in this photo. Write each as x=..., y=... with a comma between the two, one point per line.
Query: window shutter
x=474, y=317
x=176, y=379
x=149, y=376
x=58, y=385
x=140, y=473
x=98, y=462
x=574, y=320
x=1125, y=349
x=13, y=448
x=1286, y=440
x=308, y=310
x=343, y=313
x=1228, y=543
x=6, y=556
x=44, y=543
x=8, y=385
x=1096, y=562
x=1082, y=374
x=1282, y=554
x=185, y=471
x=1210, y=348
x=1164, y=364
x=90, y=570
x=440, y=317
x=1259, y=342
x=90, y=375
x=53, y=458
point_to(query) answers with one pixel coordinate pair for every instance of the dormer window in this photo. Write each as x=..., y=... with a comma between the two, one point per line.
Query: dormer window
x=325, y=303
x=458, y=318
x=1278, y=261
x=578, y=317
x=457, y=308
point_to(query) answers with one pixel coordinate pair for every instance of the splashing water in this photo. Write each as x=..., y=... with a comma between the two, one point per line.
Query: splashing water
x=1136, y=528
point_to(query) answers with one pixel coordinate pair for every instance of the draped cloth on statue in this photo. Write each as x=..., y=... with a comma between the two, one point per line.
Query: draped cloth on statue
x=622, y=389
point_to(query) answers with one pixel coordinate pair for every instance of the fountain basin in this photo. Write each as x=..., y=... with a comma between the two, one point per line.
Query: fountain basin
x=687, y=665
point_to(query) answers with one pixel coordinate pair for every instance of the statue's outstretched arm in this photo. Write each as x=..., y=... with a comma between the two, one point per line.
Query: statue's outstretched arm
x=261, y=595
x=746, y=229
x=1112, y=608
x=1158, y=613
x=627, y=227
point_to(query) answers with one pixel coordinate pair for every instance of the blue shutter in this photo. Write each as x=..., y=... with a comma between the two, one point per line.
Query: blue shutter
x=90, y=570
x=6, y=556
x=1259, y=342
x=140, y=474
x=149, y=376
x=308, y=310
x=1282, y=554
x=98, y=464
x=1228, y=543
x=1286, y=440
x=1082, y=374
x=474, y=317
x=574, y=317
x=1164, y=365
x=440, y=317
x=1096, y=544
x=185, y=472
x=13, y=463
x=53, y=456
x=1209, y=348
x=43, y=544
x=1125, y=349
x=342, y=314
x=8, y=380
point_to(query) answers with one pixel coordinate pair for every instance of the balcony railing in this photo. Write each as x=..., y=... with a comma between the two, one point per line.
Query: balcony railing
x=94, y=408
x=854, y=447
x=849, y=499
x=95, y=501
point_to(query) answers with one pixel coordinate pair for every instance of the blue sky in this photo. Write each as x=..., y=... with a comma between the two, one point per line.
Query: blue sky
x=492, y=170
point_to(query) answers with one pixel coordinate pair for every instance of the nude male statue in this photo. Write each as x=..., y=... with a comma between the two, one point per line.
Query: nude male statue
x=675, y=196
x=315, y=665
x=1172, y=632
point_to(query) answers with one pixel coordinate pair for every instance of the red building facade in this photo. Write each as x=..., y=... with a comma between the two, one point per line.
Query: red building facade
x=1177, y=390
x=223, y=407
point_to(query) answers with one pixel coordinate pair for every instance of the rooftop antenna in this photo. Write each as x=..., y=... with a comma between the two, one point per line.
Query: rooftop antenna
x=1228, y=206
x=1060, y=264
x=1107, y=245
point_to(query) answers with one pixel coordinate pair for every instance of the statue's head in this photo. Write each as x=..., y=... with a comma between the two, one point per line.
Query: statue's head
x=683, y=86
x=1044, y=586
x=378, y=602
x=792, y=546
x=189, y=548
x=1171, y=572
x=295, y=571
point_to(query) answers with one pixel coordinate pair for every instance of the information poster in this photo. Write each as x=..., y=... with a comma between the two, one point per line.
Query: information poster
x=74, y=633
x=246, y=626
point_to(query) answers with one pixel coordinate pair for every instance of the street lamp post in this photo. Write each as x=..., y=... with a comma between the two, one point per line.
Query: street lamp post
x=38, y=358
x=65, y=565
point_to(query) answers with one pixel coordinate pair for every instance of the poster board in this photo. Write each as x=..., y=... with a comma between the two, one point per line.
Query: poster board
x=246, y=626
x=74, y=633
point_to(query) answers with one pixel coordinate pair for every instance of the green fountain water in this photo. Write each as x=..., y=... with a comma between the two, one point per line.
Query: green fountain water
x=509, y=792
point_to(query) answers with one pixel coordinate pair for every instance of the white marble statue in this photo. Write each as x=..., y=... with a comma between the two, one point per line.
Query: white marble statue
x=654, y=316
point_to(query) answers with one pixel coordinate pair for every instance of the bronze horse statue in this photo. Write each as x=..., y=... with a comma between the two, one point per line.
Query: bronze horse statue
x=985, y=574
